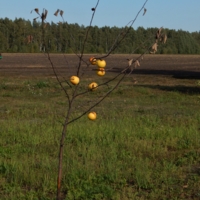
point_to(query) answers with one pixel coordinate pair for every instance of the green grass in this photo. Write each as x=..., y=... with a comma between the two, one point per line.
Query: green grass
x=143, y=145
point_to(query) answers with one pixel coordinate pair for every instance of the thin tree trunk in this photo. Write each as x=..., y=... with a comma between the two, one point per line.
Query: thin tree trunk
x=59, y=179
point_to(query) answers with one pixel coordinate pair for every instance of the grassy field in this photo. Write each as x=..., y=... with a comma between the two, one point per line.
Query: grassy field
x=143, y=145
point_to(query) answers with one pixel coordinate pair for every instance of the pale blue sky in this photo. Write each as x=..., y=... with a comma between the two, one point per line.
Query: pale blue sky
x=172, y=14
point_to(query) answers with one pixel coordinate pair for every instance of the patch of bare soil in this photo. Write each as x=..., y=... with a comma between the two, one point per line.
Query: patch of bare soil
x=171, y=66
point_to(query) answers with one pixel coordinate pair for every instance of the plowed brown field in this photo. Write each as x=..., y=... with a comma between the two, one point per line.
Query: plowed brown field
x=171, y=66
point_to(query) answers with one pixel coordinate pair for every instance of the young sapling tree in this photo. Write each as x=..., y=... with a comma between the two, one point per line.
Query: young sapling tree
x=73, y=85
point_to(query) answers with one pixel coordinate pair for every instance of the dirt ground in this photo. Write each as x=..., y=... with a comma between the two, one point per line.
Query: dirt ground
x=176, y=66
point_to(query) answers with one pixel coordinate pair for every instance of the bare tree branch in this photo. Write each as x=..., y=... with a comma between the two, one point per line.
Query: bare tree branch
x=86, y=37
x=123, y=33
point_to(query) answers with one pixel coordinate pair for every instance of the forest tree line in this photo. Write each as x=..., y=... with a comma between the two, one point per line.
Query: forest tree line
x=25, y=36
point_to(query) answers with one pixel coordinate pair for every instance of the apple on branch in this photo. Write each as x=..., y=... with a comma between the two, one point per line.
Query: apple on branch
x=101, y=71
x=93, y=86
x=101, y=63
x=74, y=80
x=93, y=60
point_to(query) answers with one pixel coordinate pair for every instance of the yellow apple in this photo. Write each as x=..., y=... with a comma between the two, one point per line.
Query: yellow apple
x=93, y=60
x=101, y=71
x=101, y=63
x=92, y=86
x=92, y=115
x=74, y=80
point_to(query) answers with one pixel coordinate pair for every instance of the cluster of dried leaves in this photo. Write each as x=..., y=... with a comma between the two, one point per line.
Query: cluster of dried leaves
x=42, y=16
x=159, y=37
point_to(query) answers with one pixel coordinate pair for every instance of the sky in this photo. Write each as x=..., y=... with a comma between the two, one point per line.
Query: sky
x=171, y=14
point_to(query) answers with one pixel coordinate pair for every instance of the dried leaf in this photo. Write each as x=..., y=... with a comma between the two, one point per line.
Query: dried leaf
x=36, y=10
x=57, y=11
x=163, y=38
x=158, y=33
x=130, y=62
x=61, y=13
x=154, y=48
x=45, y=13
x=136, y=64
x=145, y=10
